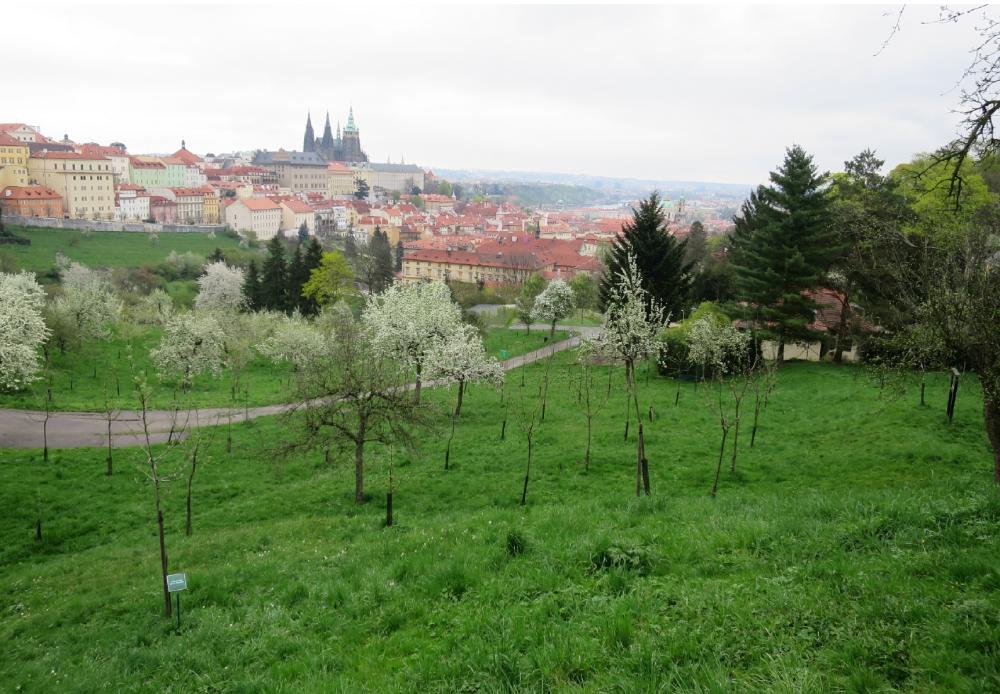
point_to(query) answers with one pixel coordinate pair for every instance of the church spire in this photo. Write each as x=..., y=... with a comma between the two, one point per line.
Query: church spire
x=350, y=127
x=309, y=140
x=327, y=143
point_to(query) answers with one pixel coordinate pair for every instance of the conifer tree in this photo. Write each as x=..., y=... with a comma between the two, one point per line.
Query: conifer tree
x=659, y=257
x=274, y=277
x=399, y=256
x=298, y=275
x=350, y=248
x=311, y=259
x=696, y=247
x=784, y=245
x=383, y=274
x=252, y=288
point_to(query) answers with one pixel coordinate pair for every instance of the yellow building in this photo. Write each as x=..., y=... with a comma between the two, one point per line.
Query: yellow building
x=85, y=183
x=468, y=266
x=210, y=205
x=13, y=161
x=339, y=180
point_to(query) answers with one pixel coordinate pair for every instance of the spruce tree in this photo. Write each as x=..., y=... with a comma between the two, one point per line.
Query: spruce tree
x=399, y=256
x=696, y=247
x=297, y=277
x=311, y=259
x=382, y=251
x=274, y=277
x=666, y=275
x=784, y=245
x=252, y=287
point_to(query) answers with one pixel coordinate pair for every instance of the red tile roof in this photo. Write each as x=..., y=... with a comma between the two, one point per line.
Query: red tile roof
x=28, y=193
x=259, y=204
x=297, y=206
x=9, y=140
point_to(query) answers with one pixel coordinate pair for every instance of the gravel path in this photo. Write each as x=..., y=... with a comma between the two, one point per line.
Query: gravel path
x=24, y=428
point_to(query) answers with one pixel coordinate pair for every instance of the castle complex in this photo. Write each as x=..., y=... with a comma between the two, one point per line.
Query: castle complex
x=345, y=147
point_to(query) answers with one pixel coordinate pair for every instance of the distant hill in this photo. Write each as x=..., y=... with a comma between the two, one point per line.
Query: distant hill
x=602, y=186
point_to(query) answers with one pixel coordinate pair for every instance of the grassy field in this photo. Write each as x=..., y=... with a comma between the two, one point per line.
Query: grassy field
x=81, y=381
x=109, y=248
x=854, y=550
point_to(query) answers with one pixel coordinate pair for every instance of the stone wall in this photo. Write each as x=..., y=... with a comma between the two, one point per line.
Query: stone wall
x=101, y=225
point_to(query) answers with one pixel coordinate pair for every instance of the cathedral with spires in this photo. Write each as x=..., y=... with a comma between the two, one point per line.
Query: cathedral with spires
x=345, y=147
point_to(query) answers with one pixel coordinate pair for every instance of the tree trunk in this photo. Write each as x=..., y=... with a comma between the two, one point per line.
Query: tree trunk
x=416, y=387
x=359, y=470
x=736, y=438
x=756, y=416
x=189, y=527
x=552, y=330
x=461, y=396
x=718, y=467
x=527, y=475
x=447, y=450
x=38, y=530
x=388, y=509
x=167, y=605
x=110, y=462
x=923, y=387
x=780, y=356
x=991, y=415
x=503, y=428
x=586, y=458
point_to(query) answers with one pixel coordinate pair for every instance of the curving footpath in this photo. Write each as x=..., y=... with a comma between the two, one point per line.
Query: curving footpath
x=24, y=428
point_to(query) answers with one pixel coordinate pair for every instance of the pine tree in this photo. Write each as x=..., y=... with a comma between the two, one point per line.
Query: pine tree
x=274, y=277
x=399, y=256
x=666, y=276
x=383, y=274
x=252, y=287
x=298, y=275
x=697, y=245
x=311, y=259
x=784, y=245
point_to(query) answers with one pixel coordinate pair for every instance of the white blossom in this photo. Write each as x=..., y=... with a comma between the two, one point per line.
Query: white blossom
x=554, y=303
x=716, y=344
x=294, y=340
x=463, y=359
x=22, y=329
x=220, y=289
x=154, y=309
x=633, y=320
x=408, y=321
x=88, y=304
x=192, y=343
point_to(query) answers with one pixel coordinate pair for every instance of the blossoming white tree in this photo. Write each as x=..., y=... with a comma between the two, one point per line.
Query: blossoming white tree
x=728, y=354
x=294, y=340
x=462, y=359
x=87, y=307
x=154, y=309
x=631, y=325
x=220, y=289
x=409, y=321
x=553, y=304
x=22, y=329
x=192, y=343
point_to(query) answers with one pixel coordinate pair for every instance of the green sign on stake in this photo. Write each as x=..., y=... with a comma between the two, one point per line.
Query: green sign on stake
x=175, y=584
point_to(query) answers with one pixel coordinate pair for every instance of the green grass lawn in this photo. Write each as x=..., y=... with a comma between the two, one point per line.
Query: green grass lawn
x=80, y=381
x=109, y=248
x=854, y=550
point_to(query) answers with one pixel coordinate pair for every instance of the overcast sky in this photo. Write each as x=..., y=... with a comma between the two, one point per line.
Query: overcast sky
x=676, y=92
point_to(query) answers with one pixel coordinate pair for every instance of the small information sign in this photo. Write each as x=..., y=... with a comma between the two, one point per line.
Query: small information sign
x=176, y=582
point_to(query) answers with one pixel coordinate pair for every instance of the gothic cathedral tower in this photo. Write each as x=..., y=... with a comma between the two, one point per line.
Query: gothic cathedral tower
x=309, y=141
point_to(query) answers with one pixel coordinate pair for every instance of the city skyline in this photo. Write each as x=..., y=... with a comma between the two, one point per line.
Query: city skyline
x=705, y=94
